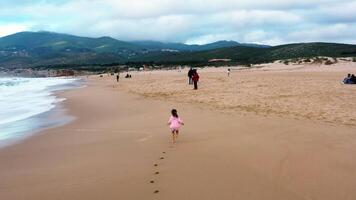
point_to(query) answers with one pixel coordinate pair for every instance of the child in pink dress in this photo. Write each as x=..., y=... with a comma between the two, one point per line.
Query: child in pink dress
x=174, y=123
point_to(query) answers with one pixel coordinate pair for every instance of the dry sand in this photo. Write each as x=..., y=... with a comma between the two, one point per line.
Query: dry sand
x=254, y=135
x=310, y=92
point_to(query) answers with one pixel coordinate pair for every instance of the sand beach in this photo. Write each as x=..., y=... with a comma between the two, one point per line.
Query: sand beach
x=269, y=132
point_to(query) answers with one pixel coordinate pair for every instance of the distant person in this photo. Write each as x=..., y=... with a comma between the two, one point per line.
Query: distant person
x=117, y=77
x=174, y=123
x=350, y=79
x=128, y=75
x=190, y=75
x=228, y=72
x=347, y=79
x=353, y=79
x=195, y=79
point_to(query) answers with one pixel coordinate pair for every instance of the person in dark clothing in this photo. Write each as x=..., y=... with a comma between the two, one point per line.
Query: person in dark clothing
x=190, y=75
x=347, y=79
x=353, y=79
x=350, y=79
x=117, y=77
x=195, y=79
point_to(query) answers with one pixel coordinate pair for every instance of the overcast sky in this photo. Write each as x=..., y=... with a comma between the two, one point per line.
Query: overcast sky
x=270, y=22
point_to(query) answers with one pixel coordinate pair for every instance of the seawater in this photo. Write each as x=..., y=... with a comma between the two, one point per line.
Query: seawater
x=25, y=104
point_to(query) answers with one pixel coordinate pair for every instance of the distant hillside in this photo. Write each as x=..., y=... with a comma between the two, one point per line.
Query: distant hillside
x=56, y=41
x=184, y=47
x=64, y=42
x=47, y=48
x=29, y=49
x=243, y=54
x=44, y=48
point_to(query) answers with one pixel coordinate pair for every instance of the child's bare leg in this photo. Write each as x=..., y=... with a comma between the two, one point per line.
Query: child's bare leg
x=177, y=132
x=173, y=137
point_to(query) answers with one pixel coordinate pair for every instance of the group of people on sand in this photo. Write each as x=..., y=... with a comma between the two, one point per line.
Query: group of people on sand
x=118, y=76
x=193, y=78
x=128, y=75
x=350, y=79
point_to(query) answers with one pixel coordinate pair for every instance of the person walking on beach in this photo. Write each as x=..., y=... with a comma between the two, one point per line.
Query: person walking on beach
x=190, y=75
x=195, y=79
x=174, y=123
x=228, y=72
x=117, y=77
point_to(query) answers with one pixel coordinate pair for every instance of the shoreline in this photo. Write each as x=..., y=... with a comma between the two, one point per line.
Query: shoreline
x=54, y=117
x=111, y=150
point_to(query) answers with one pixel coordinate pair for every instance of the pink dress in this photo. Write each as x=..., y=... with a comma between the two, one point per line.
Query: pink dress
x=174, y=123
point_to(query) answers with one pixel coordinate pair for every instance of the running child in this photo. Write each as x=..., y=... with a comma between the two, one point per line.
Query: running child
x=174, y=123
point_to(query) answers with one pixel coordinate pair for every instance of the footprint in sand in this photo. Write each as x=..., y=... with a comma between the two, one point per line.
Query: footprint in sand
x=157, y=172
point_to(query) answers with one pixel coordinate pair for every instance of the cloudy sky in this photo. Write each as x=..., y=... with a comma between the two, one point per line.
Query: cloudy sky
x=270, y=22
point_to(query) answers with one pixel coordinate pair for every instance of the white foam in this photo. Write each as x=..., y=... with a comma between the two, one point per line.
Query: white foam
x=22, y=98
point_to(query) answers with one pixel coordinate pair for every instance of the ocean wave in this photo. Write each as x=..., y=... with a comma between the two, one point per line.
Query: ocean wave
x=21, y=98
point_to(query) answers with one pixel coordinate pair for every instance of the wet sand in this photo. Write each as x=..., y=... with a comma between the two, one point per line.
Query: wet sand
x=119, y=146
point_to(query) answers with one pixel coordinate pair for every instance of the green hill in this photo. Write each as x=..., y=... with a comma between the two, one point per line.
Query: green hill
x=259, y=55
x=184, y=47
x=29, y=49
x=56, y=41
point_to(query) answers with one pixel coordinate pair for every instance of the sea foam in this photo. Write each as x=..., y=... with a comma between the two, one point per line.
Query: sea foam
x=23, y=98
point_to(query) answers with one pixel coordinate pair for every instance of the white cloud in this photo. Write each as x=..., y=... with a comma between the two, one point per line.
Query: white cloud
x=342, y=12
x=208, y=38
x=329, y=33
x=7, y=29
x=191, y=21
x=242, y=18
